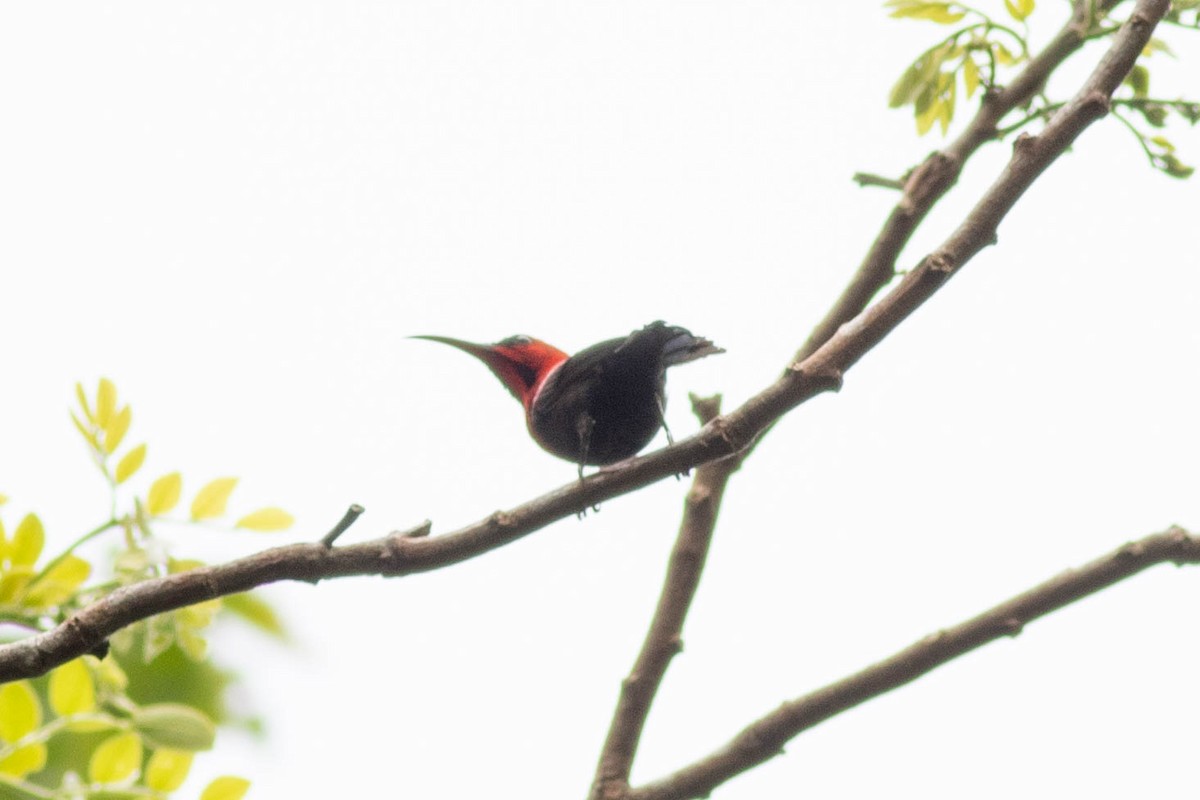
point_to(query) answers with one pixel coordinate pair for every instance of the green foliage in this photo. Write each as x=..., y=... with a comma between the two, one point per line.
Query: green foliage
x=976, y=54
x=982, y=52
x=130, y=724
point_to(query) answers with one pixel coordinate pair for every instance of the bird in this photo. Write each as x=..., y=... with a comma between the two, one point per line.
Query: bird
x=600, y=406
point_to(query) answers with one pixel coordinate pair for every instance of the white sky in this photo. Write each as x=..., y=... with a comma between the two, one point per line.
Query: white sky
x=238, y=212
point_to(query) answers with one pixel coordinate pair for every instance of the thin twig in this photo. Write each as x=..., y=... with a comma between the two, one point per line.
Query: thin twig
x=764, y=738
x=865, y=179
x=352, y=513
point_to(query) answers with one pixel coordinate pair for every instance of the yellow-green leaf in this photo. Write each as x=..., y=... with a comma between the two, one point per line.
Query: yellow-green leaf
x=167, y=769
x=72, y=690
x=936, y=12
x=106, y=402
x=210, y=501
x=115, y=430
x=905, y=88
x=111, y=674
x=20, y=712
x=130, y=463
x=1157, y=46
x=199, y=615
x=88, y=435
x=266, y=519
x=24, y=760
x=252, y=608
x=164, y=494
x=83, y=403
x=116, y=759
x=1164, y=143
x=1139, y=80
x=27, y=541
x=970, y=73
x=13, y=581
x=226, y=787
x=60, y=582
x=193, y=645
x=1019, y=9
x=176, y=726
x=929, y=116
x=1003, y=54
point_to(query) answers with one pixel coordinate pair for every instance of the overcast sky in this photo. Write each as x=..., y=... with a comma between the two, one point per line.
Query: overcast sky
x=239, y=211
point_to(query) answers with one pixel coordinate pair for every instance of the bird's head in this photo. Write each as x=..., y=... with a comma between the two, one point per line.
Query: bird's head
x=520, y=362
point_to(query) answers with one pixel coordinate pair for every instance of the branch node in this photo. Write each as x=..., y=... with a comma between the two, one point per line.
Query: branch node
x=941, y=261
x=1025, y=143
x=352, y=513
x=827, y=379
x=706, y=409
x=419, y=532
x=502, y=520
x=1011, y=626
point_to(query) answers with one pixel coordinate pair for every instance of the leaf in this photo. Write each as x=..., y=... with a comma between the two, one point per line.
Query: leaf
x=1003, y=54
x=111, y=675
x=116, y=759
x=72, y=690
x=950, y=91
x=1019, y=9
x=176, y=726
x=1164, y=143
x=905, y=88
x=1176, y=168
x=226, y=787
x=199, y=615
x=164, y=494
x=106, y=402
x=252, y=608
x=24, y=760
x=27, y=542
x=935, y=12
x=927, y=117
x=13, y=581
x=20, y=712
x=193, y=645
x=57, y=585
x=81, y=396
x=970, y=73
x=130, y=463
x=167, y=769
x=210, y=501
x=1157, y=46
x=88, y=435
x=266, y=519
x=1139, y=80
x=115, y=430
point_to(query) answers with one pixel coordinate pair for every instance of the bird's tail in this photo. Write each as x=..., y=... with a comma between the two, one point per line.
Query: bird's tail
x=681, y=346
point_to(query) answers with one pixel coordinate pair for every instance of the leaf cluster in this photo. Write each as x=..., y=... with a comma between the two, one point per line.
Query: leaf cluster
x=982, y=52
x=89, y=729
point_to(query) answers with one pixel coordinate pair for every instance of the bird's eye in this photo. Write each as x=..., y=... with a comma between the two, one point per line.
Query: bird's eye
x=516, y=341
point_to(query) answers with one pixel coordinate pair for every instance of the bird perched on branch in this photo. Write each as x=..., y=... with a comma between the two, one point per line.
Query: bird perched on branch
x=599, y=406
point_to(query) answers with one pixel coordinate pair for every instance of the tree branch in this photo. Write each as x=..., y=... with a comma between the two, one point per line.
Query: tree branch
x=664, y=638
x=399, y=554
x=929, y=182
x=764, y=738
